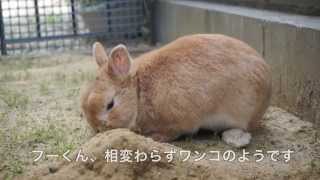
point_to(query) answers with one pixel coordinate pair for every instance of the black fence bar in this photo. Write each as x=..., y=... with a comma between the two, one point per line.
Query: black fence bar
x=74, y=20
x=36, y=8
x=152, y=20
x=86, y=35
x=29, y=25
x=2, y=34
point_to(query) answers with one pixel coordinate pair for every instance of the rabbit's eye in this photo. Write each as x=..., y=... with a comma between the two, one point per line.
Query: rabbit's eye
x=110, y=105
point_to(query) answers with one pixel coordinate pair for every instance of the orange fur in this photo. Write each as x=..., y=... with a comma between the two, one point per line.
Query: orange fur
x=198, y=81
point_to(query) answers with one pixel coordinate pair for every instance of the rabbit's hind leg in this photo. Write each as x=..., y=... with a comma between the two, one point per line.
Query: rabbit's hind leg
x=236, y=137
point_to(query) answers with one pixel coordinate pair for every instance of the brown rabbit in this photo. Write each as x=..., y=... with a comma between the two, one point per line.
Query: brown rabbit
x=196, y=82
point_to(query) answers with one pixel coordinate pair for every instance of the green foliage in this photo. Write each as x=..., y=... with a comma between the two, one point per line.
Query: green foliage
x=90, y=2
x=51, y=19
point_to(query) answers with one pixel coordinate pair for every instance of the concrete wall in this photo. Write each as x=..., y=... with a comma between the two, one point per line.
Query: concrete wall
x=289, y=43
x=309, y=7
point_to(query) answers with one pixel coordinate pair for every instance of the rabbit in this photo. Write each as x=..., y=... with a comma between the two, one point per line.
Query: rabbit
x=200, y=81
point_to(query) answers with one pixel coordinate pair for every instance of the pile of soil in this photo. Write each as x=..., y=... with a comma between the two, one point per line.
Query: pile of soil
x=281, y=132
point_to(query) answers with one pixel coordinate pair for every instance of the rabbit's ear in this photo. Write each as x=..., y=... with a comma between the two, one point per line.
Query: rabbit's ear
x=120, y=61
x=99, y=54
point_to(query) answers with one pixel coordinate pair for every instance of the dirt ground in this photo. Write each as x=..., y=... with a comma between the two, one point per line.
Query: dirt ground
x=40, y=111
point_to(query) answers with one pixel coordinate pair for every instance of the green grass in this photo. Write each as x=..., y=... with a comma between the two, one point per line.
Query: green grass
x=39, y=109
x=13, y=99
x=53, y=136
x=17, y=64
x=7, y=76
x=14, y=168
x=44, y=88
x=15, y=76
x=11, y=164
x=50, y=139
x=60, y=77
x=3, y=116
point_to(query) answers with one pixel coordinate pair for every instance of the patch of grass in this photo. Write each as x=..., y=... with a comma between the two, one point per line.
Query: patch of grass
x=14, y=168
x=75, y=79
x=80, y=77
x=13, y=65
x=44, y=88
x=24, y=130
x=25, y=75
x=60, y=77
x=50, y=139
x=84, y=76
x=15, y=76
x=20, y=63
x=3, y=116
x=73, y=92
x=10, y=161
x=315, y=165
x=7, y=77
x=53, y=136
x=13, y=99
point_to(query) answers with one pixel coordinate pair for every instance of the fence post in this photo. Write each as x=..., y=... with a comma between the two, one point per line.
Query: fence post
x=36, y=8
x=2, y=33
x=153, y=23
x=74, y=23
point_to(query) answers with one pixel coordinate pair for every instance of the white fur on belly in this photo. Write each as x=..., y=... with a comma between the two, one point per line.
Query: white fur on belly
x=221, y=122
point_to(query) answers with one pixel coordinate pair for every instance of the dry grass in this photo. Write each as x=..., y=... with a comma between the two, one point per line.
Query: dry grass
x=39, y=108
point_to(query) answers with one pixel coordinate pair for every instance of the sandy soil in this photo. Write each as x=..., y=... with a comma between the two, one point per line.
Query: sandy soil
x=39, y=110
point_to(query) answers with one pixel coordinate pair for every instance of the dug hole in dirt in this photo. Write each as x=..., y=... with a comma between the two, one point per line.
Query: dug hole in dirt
x=281, y=132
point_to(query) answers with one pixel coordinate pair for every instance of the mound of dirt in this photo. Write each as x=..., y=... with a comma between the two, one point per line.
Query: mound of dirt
x=209, y=158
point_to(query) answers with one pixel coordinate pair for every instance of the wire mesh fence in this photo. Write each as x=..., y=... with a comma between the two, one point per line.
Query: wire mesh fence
x=29, y=25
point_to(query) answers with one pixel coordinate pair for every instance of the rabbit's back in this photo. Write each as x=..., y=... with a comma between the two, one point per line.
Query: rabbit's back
x=202, y=81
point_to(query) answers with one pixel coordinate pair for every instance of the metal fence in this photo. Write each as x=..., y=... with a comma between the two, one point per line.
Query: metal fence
x=28, y=25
